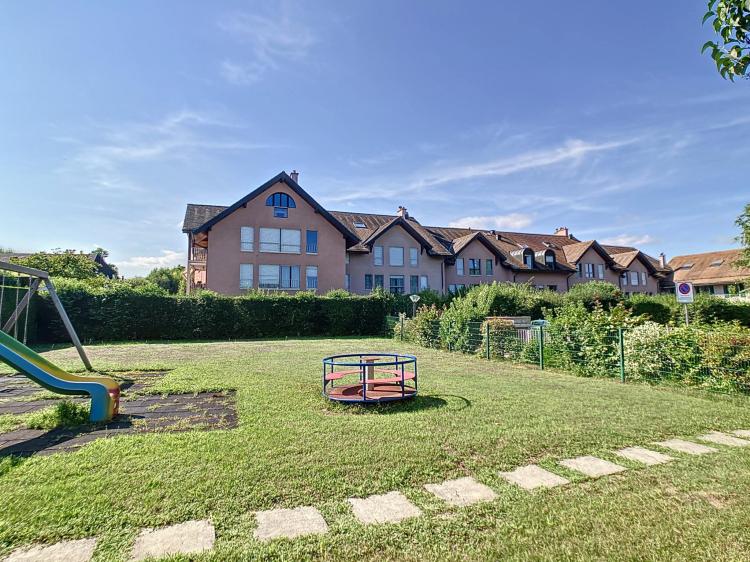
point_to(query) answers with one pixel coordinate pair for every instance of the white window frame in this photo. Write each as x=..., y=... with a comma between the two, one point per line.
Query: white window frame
x=589, y=270
x=246, y=276
x=460, y=267
x=624, y=278
x=644, y=278
x=600, y=271
x=247, y=238
x=277, y=240
x=311, y=272
x=634, y=276
x=398, y=253
x=414, y=257
x=424, y=282
x=266, y=272
x=377, y=255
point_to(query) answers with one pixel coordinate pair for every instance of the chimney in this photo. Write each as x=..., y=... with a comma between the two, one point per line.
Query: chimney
x=402, y=212
x=662, y=260
x=295, y=176
x=562, y=231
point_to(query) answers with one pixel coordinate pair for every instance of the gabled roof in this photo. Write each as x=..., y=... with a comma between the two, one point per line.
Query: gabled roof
x=710, y=268
x=574, y=252
x=460, y=243
x=625, y=259
x=196, y=215
x=282, y=177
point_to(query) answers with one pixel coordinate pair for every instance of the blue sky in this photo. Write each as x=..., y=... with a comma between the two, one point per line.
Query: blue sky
x=600, y=116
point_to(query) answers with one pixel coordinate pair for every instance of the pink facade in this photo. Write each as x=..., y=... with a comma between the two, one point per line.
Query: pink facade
x=475, y=250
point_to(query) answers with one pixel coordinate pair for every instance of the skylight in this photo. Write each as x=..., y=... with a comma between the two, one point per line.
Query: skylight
x=687, y=266
x=360, y=225
x=716, y=263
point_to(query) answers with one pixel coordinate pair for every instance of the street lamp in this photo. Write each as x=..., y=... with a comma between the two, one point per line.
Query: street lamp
x=414, y=300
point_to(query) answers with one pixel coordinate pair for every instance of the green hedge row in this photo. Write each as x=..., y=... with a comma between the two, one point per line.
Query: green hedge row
x=123, y=313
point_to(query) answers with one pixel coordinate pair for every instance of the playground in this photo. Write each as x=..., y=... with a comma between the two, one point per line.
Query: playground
x=293, y=449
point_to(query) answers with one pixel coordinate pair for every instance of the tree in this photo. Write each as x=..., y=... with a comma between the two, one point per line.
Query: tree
x=743, y=221
x=731, y=51
x=171, y=279
x=58, y=263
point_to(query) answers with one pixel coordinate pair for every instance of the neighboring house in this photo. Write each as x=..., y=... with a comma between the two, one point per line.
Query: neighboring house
x=711, y=272
x=278, y=237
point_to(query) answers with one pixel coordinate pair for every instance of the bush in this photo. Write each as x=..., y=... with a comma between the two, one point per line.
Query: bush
x=118, y=311
x=507, y=342
x=594, y=293
x=656, y=309
x=424, y=328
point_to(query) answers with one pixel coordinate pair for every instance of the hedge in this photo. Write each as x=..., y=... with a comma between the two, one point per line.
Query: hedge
x=120, y=312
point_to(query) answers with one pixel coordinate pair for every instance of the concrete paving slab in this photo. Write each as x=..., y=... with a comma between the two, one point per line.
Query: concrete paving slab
x=592, y=466
x=67, y=551
x=645, y=456
x=385, y=508
x=682, y=446
x=462, y=492
x=533, y=476
x=724, y=439
x=289, y=523
x=190, y=537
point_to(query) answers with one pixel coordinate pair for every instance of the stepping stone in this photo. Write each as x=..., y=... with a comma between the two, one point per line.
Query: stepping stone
x=682, y=446
x=646, y=456
x=462, y=492
x=386, y=508
x=289, y=523
x=723, y=439
x=190, y=537
x=592, y=466
x=742, y=433
x=533, y=476
x=67, y=551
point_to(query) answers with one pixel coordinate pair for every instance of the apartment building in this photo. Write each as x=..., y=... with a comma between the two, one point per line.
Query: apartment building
x=715, y=273
x=279, y=238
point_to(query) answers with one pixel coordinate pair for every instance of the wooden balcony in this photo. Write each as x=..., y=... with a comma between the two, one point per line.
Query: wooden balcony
x=198, y=255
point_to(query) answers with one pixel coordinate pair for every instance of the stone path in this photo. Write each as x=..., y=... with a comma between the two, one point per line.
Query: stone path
x=532, y=476
x=386, y=508
x=289, y=523
x=193, y=537
x=592, y=466
x=645, y=456
x=682, y=446
x=723, y=439
x=190, y=537
x=462, y=492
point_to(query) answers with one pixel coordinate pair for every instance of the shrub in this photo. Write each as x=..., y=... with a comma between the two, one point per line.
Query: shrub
x=594, y=293
x=656, y=309
x=507, y=342
x=424, y=328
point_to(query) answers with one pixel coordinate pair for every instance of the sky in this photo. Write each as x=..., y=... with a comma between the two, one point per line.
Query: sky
x=600, y=116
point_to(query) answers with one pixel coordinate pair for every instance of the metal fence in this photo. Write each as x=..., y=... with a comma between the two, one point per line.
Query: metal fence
x=711, y=359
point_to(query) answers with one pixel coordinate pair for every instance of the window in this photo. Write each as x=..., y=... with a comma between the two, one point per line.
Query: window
x=600, y=270
x=368, y=282
x=451, y=288
x=278, y=277
x=414, y=284
x=644, y=278
x=686, y=266
x=475, y=267
x=549, y=258
x=246, y=276
x=716, y=263
x=359, y=225
x=589, y=270
x=246, y=238
x=488, y=265
x=281, y=203
x=624, y=278
x=379, y=281
x=460, y=266
x=347, y=282
x=552, y=287
x=378, y=255
x=528, y=259
x=280, y=240
x=424, y=283
x=634, y=278
x=579, y=269
x=395, y=255
x=311, y=277
x=311, y=242
x=414, y=257
x=396, y=284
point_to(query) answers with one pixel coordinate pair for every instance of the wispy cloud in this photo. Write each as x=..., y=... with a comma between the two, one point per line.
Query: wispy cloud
x=271, y=42
x=144, y=264
x=629, y=240
x=106, y=162
x=511, y=221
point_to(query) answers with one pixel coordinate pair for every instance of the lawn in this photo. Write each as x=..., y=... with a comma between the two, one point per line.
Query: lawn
x=473, y=417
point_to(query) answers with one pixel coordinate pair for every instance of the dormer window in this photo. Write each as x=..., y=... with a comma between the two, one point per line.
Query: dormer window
x=281, y=203
x=528, y=258
x=549, y=258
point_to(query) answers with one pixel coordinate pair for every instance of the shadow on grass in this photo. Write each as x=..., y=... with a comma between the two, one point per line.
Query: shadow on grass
x=422, y=402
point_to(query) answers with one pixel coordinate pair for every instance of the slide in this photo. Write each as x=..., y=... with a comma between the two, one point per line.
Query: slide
x=104, y=391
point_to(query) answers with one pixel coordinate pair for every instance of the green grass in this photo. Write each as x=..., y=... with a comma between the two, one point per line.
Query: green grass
x=472, y=417
x=63, y=414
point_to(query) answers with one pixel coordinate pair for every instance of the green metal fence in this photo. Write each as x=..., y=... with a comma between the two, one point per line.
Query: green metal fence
x=714, y=360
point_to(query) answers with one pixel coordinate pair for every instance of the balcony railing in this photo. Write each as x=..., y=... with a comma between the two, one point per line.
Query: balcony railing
x=199, y=254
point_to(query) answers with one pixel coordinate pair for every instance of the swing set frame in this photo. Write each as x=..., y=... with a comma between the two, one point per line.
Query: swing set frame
x=36, y=278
